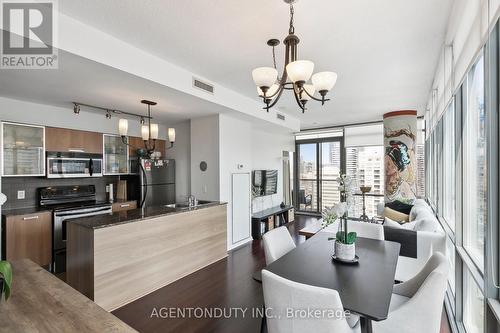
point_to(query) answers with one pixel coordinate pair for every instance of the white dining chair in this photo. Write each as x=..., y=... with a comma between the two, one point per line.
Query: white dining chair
x=277, y=243
x=417, y=304
x=362, y=229
x=287, y=300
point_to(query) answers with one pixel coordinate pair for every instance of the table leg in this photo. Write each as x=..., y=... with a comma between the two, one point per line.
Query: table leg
x=366, y=325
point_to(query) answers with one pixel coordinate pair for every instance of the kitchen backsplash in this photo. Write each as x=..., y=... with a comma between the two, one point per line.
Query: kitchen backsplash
x=10, y=186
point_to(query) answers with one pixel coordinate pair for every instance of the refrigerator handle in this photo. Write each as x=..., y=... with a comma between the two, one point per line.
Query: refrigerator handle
x=144, y=185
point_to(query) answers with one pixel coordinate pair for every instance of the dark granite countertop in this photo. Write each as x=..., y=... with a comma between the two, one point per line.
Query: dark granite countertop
x=24, y=211
x=134, y=215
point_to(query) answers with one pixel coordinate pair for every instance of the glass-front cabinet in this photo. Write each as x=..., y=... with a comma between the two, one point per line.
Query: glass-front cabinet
x=23, y=149
x=115, y=155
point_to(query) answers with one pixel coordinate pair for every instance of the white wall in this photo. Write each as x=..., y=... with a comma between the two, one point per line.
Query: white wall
x=235, y=149
x=205, y=147
x=181, y=153
x=267, y=151
x=48, y=115
x=244, y=143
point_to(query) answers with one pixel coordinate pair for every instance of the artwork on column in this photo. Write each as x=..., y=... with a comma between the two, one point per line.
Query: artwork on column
x=400, y=139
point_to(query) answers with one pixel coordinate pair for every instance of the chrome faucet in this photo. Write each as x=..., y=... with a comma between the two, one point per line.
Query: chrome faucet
x=192, y=202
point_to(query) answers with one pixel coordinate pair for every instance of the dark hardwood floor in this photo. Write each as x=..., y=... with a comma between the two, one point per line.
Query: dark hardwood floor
x=225, y=284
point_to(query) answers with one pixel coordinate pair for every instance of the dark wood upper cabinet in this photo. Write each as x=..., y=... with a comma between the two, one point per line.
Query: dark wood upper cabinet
x=136, y=142
x=69, y=140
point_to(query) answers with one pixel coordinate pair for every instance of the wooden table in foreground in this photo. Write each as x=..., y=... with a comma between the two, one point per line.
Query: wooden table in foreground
x=364, y=288
x=40, y=302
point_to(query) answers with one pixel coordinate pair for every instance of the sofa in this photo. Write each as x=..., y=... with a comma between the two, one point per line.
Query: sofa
x=419, y=239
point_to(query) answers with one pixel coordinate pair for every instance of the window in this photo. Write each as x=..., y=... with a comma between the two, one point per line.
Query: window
x=307, y=169
x=474, y=166
x=473, y=305
x=448, y=202
x=366, y=165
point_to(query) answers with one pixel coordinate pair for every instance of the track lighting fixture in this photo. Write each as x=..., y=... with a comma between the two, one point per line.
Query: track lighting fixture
x=76, y=108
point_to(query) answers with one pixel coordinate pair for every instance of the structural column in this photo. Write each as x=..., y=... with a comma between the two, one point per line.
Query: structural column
x=400, y=141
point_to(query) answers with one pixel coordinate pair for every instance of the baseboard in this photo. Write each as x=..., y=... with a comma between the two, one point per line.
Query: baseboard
x=239, y=244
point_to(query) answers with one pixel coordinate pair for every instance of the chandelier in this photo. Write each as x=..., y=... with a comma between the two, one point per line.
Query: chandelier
x=149, y=132
x=295, y=77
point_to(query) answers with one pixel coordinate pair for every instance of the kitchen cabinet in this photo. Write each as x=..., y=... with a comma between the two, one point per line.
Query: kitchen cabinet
x=124, y=205
x=23, y=150
x=29, y=236
x=116, y=161
x=69, y=140
x=136, y=142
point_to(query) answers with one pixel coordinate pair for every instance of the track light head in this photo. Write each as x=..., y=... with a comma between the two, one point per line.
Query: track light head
x=76, y=108
x=108, y=115
x=142, y=121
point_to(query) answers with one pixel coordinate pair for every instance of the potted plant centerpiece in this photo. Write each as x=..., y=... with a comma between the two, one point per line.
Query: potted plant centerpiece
x=345, y=248
x=5, y=279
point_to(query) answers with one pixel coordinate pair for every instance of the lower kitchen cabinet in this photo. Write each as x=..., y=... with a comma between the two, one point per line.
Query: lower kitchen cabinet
x=29, y=236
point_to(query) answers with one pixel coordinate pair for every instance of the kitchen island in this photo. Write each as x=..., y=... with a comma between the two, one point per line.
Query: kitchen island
x=117, y=258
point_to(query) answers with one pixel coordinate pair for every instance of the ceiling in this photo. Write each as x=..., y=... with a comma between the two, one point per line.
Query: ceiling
x=385, y=52
x=81, y=80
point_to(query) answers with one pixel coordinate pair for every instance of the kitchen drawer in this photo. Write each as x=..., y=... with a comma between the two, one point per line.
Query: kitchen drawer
x=125, y=205
x=29, y=236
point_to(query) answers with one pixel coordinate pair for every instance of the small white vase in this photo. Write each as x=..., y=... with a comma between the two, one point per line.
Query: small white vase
x=345, y=251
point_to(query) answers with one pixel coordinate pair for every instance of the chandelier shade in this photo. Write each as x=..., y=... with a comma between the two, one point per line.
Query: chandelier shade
x=324, y=81
x=171, y=134
x=300, y=71
x=264, y=77
x=123, y=127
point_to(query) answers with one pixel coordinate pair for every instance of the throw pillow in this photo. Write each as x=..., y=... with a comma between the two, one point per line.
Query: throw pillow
x=391, y=223
x=395, y=215
x=400, y=206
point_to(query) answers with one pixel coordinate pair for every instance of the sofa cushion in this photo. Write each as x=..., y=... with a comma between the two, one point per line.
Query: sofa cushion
x=418, y=209
x=395, y=215
x=427, y=224
x=400, y=206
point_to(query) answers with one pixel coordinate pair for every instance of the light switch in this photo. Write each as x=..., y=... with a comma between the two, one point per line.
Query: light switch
x=20, y=195
x=205, y=188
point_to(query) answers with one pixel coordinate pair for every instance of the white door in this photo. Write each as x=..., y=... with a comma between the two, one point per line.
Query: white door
x=241, y=206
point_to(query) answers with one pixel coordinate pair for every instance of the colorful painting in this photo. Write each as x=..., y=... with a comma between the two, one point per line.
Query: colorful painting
x=400, y=138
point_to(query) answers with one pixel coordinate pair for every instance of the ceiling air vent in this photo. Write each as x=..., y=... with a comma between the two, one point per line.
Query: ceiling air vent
x=203, y=86
x=280, y=116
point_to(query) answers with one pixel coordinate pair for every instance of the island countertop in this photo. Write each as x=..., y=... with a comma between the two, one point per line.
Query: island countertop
x=134, y=215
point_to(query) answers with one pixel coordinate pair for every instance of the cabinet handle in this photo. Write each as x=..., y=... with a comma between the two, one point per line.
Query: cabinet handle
x=35, y=217
x=76, y=150
x=124, y=205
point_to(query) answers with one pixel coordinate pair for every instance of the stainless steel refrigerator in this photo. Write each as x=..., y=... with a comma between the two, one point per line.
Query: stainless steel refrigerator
x=157, y=182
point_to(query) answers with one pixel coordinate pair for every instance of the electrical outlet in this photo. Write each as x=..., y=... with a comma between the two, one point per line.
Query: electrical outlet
x=21, y=195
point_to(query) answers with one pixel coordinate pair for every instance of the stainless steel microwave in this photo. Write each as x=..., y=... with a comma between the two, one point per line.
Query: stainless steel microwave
x=74, y=167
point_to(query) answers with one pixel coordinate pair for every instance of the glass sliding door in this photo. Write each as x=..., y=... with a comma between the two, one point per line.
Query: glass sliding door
x=330, y=171
x=318, y=165
x=307, y=170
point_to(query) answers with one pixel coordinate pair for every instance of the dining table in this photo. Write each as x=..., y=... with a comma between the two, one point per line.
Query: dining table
x=365, y=287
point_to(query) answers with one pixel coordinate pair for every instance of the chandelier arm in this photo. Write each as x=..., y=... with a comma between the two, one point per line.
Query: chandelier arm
x=316, y=99
x=298, y=100
x=273, y=103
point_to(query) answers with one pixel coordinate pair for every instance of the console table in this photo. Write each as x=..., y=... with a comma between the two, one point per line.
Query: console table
x=269, y=219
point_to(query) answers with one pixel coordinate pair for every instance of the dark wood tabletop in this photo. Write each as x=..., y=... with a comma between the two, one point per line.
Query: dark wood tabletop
x=365, y=288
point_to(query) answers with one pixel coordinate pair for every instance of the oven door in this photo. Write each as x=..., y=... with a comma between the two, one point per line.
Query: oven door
x=73, y=167
x=60, y=232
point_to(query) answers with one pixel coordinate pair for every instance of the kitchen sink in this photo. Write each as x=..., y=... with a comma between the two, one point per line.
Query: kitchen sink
x=186, y=205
